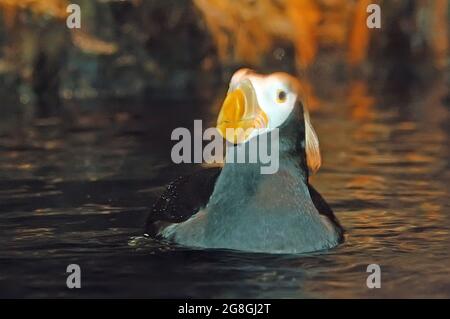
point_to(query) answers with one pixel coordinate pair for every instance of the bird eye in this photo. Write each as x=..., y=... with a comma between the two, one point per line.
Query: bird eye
x=281, y=96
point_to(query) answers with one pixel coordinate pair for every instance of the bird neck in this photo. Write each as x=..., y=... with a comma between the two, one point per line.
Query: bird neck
x=248, y=161
x=286, y=146
x=292, y=142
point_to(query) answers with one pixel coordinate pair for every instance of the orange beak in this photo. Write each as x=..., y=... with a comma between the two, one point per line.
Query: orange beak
x=240, y=114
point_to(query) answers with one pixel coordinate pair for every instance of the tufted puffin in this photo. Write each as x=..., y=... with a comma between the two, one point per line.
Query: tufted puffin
x=237, y=207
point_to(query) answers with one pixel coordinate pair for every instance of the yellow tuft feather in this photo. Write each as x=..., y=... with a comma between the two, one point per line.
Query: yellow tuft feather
x=312, y=148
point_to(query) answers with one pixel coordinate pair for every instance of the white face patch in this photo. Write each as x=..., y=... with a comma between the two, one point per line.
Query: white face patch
x=275, y=98
x=277, y=95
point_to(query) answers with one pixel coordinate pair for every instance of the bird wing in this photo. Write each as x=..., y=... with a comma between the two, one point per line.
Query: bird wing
x=183, y=197
x=321, y=205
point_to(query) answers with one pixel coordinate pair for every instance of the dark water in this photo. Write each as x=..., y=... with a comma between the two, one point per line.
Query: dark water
x=77, y=190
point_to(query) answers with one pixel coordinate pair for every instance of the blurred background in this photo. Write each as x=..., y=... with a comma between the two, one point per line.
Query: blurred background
x=180, y=48
x=85, y=141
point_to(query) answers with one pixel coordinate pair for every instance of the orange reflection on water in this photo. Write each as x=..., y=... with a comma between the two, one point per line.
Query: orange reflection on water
x=360, y=100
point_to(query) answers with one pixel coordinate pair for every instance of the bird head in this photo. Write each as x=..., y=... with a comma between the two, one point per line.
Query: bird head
x=257, y=103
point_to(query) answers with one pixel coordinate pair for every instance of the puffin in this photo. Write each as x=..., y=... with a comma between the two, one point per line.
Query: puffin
x=235, y=206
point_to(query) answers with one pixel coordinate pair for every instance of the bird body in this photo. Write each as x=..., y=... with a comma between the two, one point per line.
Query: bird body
x=237, y=207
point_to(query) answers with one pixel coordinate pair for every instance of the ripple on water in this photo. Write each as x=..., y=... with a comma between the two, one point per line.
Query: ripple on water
x=79, y=193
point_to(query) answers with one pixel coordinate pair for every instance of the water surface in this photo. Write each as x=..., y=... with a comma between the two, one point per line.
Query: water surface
x=76, y=189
